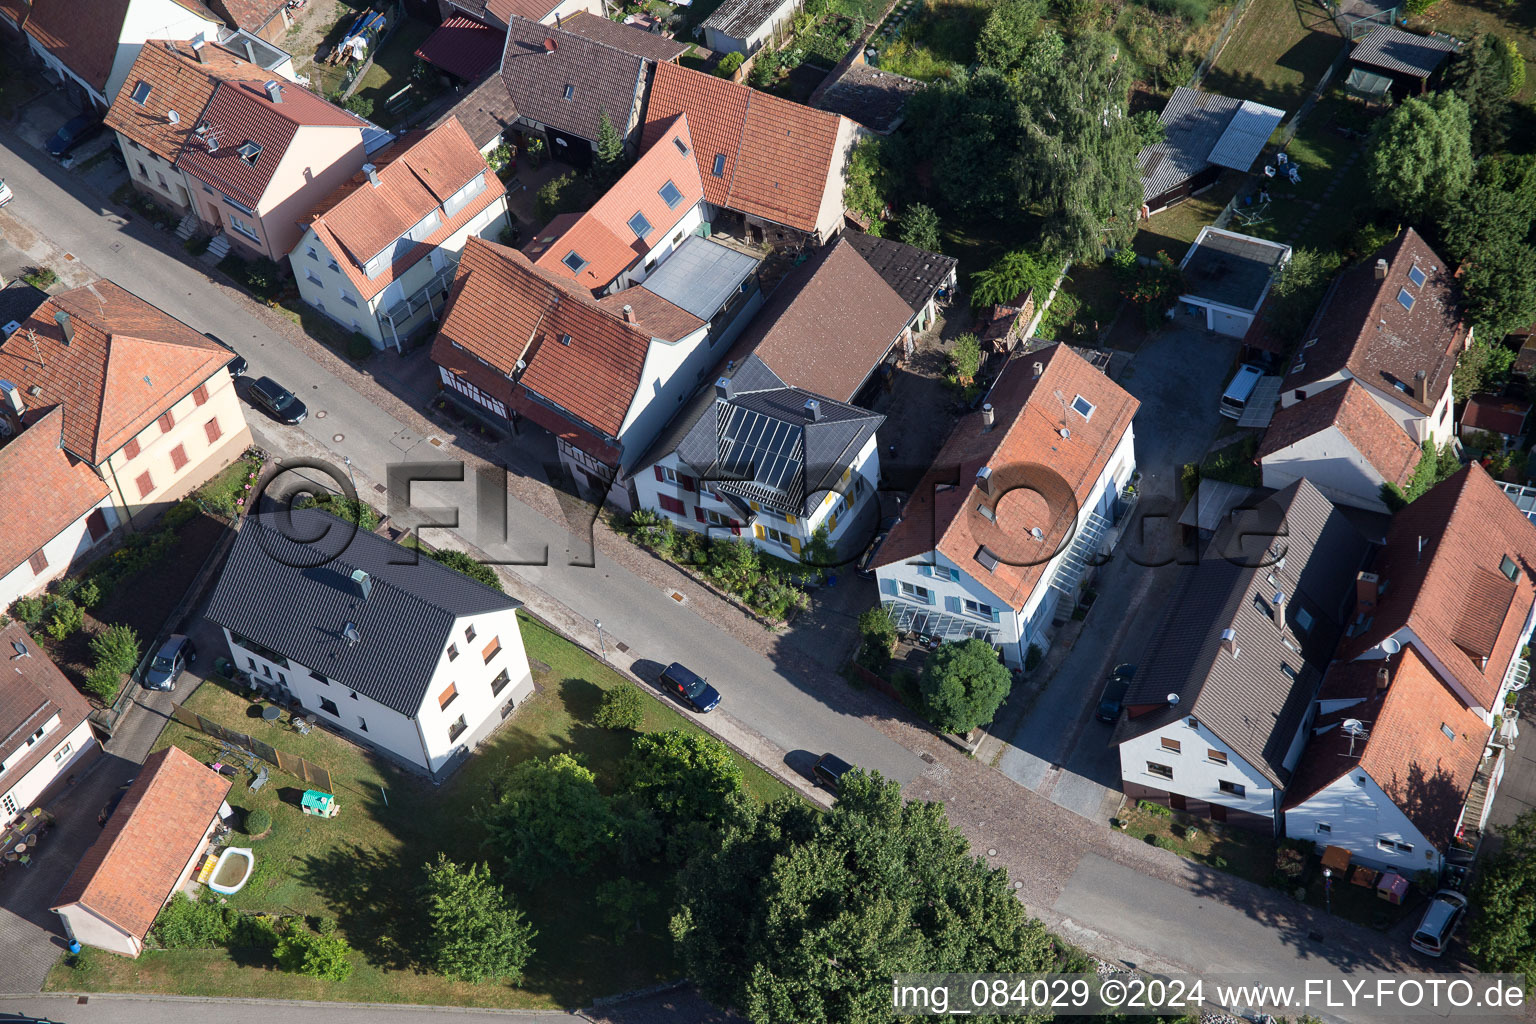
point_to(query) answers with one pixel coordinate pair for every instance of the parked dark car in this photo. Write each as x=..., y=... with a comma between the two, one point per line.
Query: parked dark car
x=237, y=365
x=169, y=662
x=690, y=687
x=1439, y=923
x=112, y=802
x=1113, y=698
x=867, y=560
x=279, y=403
x=829, y=771
x=76, y=132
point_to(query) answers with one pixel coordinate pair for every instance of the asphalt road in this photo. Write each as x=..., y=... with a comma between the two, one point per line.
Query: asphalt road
x=118, y=1009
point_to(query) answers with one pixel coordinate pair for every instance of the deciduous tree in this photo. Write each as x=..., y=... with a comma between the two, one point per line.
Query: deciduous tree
x=475, y=931
x=1502, y=935
x=1420, y=159
x=962, y=685
x=920, y=227
x=548, y=818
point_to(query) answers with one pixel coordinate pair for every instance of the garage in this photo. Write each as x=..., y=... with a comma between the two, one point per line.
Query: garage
x=1227, y=276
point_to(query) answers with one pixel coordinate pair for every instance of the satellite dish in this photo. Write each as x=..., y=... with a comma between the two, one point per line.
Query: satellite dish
x=350, y=632
x=1354, y=727
x=173, y=117
x=1390, y=646
x=21, y=649
x=1173, y=700
x=1034, y=531
x=1066, y=435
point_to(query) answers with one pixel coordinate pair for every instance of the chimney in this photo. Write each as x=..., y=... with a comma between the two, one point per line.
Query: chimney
x=988, y=417
x=62, y=319
x=549, y=45
x=1381, y=270
x=1039, y=369
x=984, y=479
x=1279, y=600
x=373, y=175
x=629, y=313
x=557, y=19
x=813, y=410
x=723, y=388
x=10, y=396
x=250, y=52
x=1229, y=641
x=1367, y=587
x=197, y=48
x=1420, y=556
x=274, y=91
x=1383, y=678
x=1418, y=384
x=363, y=582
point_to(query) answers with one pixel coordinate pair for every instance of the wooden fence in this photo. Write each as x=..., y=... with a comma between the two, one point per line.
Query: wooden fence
x=312, y=774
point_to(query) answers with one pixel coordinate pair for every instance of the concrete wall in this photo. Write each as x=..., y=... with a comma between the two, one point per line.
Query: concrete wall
x=1359, y=815
x=91, y=929
x=62, y=552
x=68, y=749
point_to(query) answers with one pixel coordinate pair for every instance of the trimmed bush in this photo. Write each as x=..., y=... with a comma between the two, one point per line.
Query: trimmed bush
x=460, y=562
x=623, y=707
x=257, y=822
x=66, y=620
x=319, y=956
x=729, y=65
x=29, y=610
x=1157, y=810
x=116, y=648
x=103, y=683
x=359, y=347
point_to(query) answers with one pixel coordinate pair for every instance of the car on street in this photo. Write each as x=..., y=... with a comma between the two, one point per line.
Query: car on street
x=867, y=560
x=689, y=687
x=6, y=195
x=829, y=771
x=1113, y=698
x=1439, y=923
x=76, y=132
x=169, y=662
x=237, y=365
x=279, y=403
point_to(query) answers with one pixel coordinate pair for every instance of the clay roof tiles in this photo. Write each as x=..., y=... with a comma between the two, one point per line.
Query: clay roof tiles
x=33, y=690
x=653, y=46
x=177, y=82
x=1363, y=422
x=59, y=488
x=599, y=78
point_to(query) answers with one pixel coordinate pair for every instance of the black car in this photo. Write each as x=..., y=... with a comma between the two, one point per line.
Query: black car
x=169, y=662
x=76, y=131
x=829, y=771
x=690, y=687
x=237, y=365
x=1114, y=693
x=280, y=403
x=867, y=560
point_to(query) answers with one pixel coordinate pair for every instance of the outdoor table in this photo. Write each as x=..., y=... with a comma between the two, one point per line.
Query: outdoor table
x=12, y=856
x=271, y=714
x=21, y=847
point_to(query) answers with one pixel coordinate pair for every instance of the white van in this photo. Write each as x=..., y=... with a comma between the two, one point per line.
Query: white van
x=1240, y=390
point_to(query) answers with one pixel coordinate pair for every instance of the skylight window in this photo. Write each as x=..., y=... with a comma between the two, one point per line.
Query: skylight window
x=987, y=559
x=640, y=226
x=141, y=92
x=1417, y=276
x=565, y=339
x=987, y=513
x=1450, y=733
x=570, y=91
x=1508, y=567
x=719, y=165
x=670, y=195
x=574, y=261
x=682, y=147
x=1082, y=407
x=1405, y=298
x=249, y=151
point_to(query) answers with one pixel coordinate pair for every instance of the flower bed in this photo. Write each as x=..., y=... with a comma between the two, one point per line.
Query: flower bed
x=230, y=493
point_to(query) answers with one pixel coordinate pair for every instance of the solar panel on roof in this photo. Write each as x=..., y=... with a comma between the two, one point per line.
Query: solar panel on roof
x=760, y=448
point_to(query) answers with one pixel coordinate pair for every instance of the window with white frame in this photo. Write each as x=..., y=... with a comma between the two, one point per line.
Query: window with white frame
x=716, y=519
x=1233, y=788
x=778, y=536
x=1162, y=771
x=977, y=608
x=243, y=227
x=63, y=752
x=462, y=197
x=668, y=474
x=916, y=592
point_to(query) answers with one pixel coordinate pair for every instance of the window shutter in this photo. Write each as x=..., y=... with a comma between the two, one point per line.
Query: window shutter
x=167, y=421
x=200, y=395
x=755, y=508
x=995, y=615
x=735, y=528
x=698, y=513
x=179, y=456
x=925, y=570
x=888, y=587
x=688, y=482
x=757, y=531
x=832, y=519
x=928, y=598
x=38, y=561
x=131, y=449
x=952, y=604
x=211, y=428
x=794, y=544
x=96, y=523
x=790, y=518
x=146, y=483
x=657, y=469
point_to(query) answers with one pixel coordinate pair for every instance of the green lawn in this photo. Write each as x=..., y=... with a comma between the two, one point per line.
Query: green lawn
x=1172, y=230
x=391, y=72
x=361, y=866
x=935, y=41
x=1277, y=53
x=1515, y=21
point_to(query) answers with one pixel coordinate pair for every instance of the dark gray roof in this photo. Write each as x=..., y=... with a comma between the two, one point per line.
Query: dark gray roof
x=873, y=98
x=1204, y=128
x=486, y=111
x=701, y=276
x=738, y=19
x=19, y=300
x=296, y=596
x=650, y=45
x=600, y=77
x=1294, y=543
x=913, y=273
x=1406, y=53
x=1229, y=268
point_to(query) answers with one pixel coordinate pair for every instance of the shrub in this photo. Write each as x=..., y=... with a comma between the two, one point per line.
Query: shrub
x=1166, y=843
x=623, y=707
x=1289, y=864
x=729, y=65
x=103, y=683
x=965, y=360
x=29, y=610
x=116, y=648
x=652, y=530
x=324, y=924
x=1153, y=808
x=41, y=278
x=1033, y=657
x=360, y=106
x=67, y=618
x=565, y=193
x=319, y=956
x=878, y=638
x=359, y=347
x=88, y=594
x=1219, y=862
x=257, y=822
x=185, y=923
x=262, y=277
x=460, y=562
x=764, y=70
x=353, y=510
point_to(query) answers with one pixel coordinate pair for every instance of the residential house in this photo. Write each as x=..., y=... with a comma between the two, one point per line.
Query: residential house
x=267, y=20
x=1344, y=443
x=263, y=155
x=743, y=26
x=378, y=255
x=499, y=13
x=604, y=376
x=159, y=105
x=923, y=279
x=1409, y=60
x=43, y=720
x=1227, y=278
x=1203, y=134
x=1503, y=416
x=653, y=46
x=67, y=515
x=1432, y=650
x=145, y=853
x=867, y=96
x=91, y=44
x=753, y=456
x=148, y=402
x=772, y=169
x=393, y=649
x=1219, y=710
x=634, y=226
x=999, y=533
x=1391, y=323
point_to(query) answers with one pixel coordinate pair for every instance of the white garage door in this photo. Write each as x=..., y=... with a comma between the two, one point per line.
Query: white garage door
x=1234, y=325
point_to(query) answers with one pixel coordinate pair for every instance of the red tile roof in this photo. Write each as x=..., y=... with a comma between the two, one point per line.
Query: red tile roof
x=503, y=310
x=128, y=363
x=1405, y=750
x=1029, y=418
x=241, y=112
x=178, y=82
x=59, y=488
x=1378, y=437
x=602, y=236
x=464, y=47
x=1442, y=579
x=251, y=15
x=652, y=314
x=131, y=870
x=651, y=45
x=1364, y=329
x=1497, y=413
x=33, y=690
x=417, y=173
x=778, y=154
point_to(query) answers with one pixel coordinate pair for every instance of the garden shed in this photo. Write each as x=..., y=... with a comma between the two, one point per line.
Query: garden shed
x=1205, y=133
x=743, y=26
x=1408, y=59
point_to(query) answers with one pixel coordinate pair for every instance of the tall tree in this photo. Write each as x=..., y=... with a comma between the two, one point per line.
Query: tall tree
x=1006, y=33
x=968, y=130
x=1487, y=233
x=962, y=685
x=548, y=818
x=1480, y=75
x=683, y=776
x=797, y=919
x=1502, y=936
x=611, y=158
x=1420, y=159
x=475, y=932
x=920, y=227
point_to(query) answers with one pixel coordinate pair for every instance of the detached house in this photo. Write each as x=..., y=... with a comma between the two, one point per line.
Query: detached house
x=396, y=650
x=772, y=169
x=752, y=456
x=378, y=255
x=499, y=13
x=148, y=403
x=1404, y=757
x=1217, y=716
x=1000, y=531
x=43, y=721
x=1390, y=323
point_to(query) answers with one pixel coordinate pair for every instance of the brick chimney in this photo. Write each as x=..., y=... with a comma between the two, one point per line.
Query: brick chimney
x=629, y=313
x=1367, y=589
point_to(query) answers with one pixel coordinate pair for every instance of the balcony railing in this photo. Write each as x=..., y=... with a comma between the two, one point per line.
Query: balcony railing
x=429, y=299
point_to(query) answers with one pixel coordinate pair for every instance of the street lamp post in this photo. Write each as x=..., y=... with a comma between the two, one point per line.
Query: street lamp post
x=347, y=461
x=602, y=645
x=1328, y=889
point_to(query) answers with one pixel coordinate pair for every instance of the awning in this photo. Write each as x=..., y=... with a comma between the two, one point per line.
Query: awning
x=463, y=47
x=1367, y=84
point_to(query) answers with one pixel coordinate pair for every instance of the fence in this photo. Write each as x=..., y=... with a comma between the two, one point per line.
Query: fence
x=312, y=774
x=1209, y=60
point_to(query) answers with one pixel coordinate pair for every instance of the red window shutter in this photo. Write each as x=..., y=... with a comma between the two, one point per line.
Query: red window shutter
x=671, y=504
x=179, y=456
x=167, y=422
x=201, y=394
x=659, y=476
x=735, y=528
x=698, y=513
x=131, y=450
x=38, y=561
x=146, y=484
x=211, y=428
x=96, y=524
x=688, y=482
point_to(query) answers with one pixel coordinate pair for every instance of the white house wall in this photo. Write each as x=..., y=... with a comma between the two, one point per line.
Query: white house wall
x=688, y=225
x=62, y=551
x=68, y=749
x=149, y=171
x=91, y=929
x=1195, y=775
x=668, y=378
x=1330, y=462
x=154, y=19
x=1358, y=813
x=829, y=217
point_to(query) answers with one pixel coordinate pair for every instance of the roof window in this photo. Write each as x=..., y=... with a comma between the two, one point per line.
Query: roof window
x=987, y=513
x=141, y=92
x=1450, y=733
x=570, y=91
x=987, y=559
x=1405, y=298
x=1082, y=407
x=1508, y=567
x=249, y=151
x=670, y=195
x=565, y=339
x=1417, y=276
x=682, y=147
x=574, y=262
x=719, y=165
x=640, y=226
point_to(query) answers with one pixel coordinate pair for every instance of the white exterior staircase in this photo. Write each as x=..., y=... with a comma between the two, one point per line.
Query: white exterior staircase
x=217, y=249
x=188, y=226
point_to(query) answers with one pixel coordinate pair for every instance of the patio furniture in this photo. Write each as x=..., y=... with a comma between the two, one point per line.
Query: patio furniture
x=21, y=848
x=26, y=861
x=259, y=781
x=271, y=713
x=322, y=805
x=12, y=857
